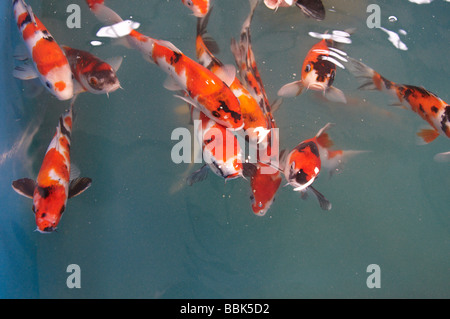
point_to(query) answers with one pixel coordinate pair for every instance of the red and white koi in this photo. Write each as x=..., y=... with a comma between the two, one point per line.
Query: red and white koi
x=431, y=108
x=201, y=87
x=199, y=8
x=91, y=73
x=221, y=150
x=318, y=72
x=53, y=186
x=50, y=64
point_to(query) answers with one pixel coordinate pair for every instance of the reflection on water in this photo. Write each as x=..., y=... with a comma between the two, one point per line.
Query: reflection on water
x=136, y=234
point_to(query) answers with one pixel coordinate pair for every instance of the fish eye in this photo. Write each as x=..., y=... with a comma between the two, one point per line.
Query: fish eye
x=308, y=68
x=189, y=3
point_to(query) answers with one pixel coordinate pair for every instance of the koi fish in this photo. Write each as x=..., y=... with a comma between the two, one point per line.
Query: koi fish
x=53, y=186
x=318, y=73
x=91, y=73
x=311, y=8
x=427, y=105
x=199, y=7
x=201, y=87
x=264, y=186
x=255, y=122
x=49, y=63
x=250, y=76
x=303, y=164
x=221, y=150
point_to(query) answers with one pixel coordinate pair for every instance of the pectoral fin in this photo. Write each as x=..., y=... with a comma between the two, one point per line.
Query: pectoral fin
x=291, y=89
x=323, y=202
x=335, y=95
x=24, y=187
x=78, y=186
x=198, y=175
x=25, y=72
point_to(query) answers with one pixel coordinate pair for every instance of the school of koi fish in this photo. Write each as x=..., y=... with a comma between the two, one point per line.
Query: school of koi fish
x=227, y=100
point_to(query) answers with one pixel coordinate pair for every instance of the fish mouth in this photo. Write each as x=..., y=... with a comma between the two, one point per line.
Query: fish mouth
x=317, y=87
x=46, y=230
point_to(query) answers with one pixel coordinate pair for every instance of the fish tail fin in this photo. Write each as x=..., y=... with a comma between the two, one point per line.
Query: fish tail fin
x=368, y=77
x=209, y=42
x=323, y=136
x=425, y=136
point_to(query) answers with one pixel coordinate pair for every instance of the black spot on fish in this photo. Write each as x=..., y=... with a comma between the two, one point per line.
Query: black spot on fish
x=25, y=21
x=332, y=75
x=62, y=209
x=445, y=122
x=434, y=109
x=33, y=209
x=43, y=215
x=312, y=146
x=48, y=84
x=215, y=113
x=175, y=58
x=421, y=108
x=44, y=191
x=63, y=128
x=223, y=106
x=323, y=69
x=47, y=36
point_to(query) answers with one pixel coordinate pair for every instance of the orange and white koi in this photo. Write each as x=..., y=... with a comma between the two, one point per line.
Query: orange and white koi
x=199, y=7
x=311, y=8
x=431, y=108
x=264, y=186
x=91, y=73
x=53, y=186
x=50, y=64
x=201, y=87
x=255, y=122
x=221, y=150
x=318, y=72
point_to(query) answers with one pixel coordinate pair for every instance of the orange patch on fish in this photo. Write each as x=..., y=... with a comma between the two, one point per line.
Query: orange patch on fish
x=48, y=55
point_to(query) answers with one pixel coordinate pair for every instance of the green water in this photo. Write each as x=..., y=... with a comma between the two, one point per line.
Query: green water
x=134, y=234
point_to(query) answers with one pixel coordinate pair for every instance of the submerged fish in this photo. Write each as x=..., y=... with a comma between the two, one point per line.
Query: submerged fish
x=431, y=108
x=199, y=7
x=318, y=73
x=53, y=186
x=264, y=186
x=92, y=74
x=201, y=87
x=50, y=64
x=221, y=150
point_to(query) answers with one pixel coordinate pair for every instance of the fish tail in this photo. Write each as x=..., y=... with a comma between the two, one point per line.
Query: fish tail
x=368, y=77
